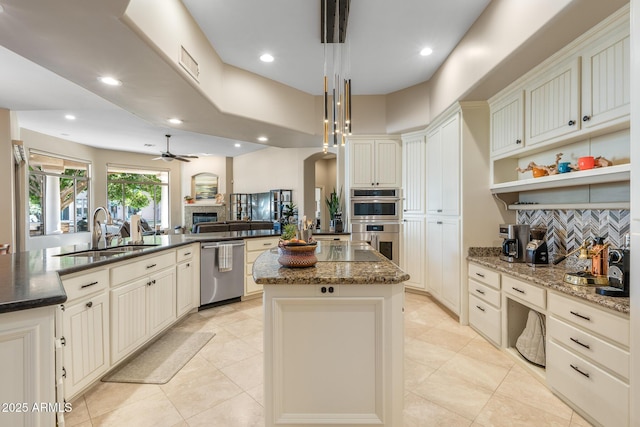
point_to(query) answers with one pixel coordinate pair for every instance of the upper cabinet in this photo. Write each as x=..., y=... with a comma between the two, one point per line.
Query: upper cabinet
x=443, y=167
x=568, y=104
x=374, y=163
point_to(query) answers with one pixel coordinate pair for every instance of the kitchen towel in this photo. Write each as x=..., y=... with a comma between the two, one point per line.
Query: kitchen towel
x=136, y=235
x=225, y=257
x=530, y=343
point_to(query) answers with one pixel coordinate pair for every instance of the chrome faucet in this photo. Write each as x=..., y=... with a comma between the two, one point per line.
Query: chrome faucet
x=96, y=236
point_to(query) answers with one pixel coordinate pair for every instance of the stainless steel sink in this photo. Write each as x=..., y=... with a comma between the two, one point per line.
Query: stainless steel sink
x=116, y=250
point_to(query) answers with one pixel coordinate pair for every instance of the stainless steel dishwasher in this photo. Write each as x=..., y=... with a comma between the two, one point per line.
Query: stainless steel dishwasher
x=221, y=272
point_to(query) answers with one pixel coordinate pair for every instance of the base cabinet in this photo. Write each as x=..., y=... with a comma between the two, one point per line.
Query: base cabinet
x=253, y=248
x=350, y=371
x=185, y=296
x=443, y=254
x=414, y=251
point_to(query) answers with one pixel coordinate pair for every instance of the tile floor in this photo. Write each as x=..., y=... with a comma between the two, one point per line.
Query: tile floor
x=453, y=377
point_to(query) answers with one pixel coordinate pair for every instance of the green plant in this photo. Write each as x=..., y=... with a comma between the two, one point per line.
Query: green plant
x=288, y=232
x=334, y=203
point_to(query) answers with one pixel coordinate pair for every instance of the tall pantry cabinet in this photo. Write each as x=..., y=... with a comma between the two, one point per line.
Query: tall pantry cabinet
x=458, y=210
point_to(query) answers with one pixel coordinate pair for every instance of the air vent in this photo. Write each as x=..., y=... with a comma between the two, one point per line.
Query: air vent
x=189, y=64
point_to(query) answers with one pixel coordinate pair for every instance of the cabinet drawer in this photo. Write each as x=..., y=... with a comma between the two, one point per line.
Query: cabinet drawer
x=135, y=269
x=485, y=318
x=590, y=317
x=525, y=291
x=599, y=394
x=587, y=345
x=185, y=253
x=251, y=286
x=484, y=292
x=484, y=275
x=85, y=283
x=261, y=244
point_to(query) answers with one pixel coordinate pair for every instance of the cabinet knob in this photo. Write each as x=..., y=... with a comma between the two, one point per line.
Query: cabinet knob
x=330, y=289
x=377, y=183
x=571, y=122
x=586, y=118
x=323, y=289
x=89, y=304
x=518, y=141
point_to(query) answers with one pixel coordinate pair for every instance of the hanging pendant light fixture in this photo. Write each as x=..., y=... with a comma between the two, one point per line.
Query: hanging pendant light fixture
x=335, y=15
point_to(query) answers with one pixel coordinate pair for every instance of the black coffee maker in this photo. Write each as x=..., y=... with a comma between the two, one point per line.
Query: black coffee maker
x=537, y=252
x=618, y=274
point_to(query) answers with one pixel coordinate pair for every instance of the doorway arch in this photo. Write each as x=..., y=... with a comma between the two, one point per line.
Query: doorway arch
x=320, y=170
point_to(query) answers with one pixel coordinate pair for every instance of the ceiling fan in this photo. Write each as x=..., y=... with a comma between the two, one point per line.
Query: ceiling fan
x=168, y=156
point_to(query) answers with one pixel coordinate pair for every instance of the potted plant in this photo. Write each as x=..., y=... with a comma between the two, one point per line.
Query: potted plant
x=334, y=205
x=189, y=199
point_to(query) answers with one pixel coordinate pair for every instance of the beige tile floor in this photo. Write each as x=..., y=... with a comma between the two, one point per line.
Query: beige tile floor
x=453, y=377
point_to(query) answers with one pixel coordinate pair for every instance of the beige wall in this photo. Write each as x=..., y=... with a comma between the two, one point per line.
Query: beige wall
x=7, y=217
x=99, y=159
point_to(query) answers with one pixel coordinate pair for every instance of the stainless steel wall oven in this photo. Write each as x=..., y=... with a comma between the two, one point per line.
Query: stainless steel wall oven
x=380, y=204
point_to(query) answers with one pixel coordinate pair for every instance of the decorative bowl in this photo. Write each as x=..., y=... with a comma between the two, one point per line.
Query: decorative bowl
x=587, y=162
x=296, y=255
x=538, y=172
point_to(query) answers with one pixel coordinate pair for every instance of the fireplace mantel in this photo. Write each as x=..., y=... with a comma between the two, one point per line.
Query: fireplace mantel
x=190, y=208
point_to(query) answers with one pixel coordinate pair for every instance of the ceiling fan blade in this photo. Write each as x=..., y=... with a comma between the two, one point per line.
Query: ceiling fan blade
x=157, y=158
x=181, y=159
x=187, y=156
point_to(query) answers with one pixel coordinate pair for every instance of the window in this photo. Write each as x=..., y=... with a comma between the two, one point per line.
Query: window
x=138, y=192
x=58, y=194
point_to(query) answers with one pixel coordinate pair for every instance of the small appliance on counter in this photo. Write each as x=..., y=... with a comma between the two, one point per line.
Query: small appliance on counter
x=514, y=245
x=537, y=252
x=618, y=274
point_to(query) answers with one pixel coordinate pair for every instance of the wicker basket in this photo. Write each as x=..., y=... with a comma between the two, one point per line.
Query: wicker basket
x=296, y=256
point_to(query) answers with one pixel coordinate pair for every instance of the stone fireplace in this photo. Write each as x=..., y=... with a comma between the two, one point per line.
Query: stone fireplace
x=203, y=211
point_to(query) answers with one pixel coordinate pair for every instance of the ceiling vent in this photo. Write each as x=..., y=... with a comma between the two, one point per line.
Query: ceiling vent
x=189, y=64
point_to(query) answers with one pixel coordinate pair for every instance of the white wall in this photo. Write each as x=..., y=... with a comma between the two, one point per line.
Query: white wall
x=99, y=159
x=7, y=218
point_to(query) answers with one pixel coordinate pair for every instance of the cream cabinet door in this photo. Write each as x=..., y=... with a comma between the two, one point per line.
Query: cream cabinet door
x=434, y=256
x=361, y=164
x=443, y=168
x=507, y=124
x=85, y=328
x=553, y=103
x=443, y=261
x=413, y=250
x=185, y=274
x=414, y=174
x=606, y=79
x=128, y=318
x=434, y=172
x=387, y=164
x=161, y=300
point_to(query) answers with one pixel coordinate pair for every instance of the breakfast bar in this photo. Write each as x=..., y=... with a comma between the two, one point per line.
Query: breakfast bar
x=333, y=338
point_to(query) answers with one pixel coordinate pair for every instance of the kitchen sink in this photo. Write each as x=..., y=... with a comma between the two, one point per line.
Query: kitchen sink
x=116, y=250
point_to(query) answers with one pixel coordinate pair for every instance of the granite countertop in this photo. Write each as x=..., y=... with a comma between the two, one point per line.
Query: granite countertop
x=32, y=279
x=338, y=263
x=549, y=276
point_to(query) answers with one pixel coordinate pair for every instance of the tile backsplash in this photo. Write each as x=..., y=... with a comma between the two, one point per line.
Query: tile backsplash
x=566, y=229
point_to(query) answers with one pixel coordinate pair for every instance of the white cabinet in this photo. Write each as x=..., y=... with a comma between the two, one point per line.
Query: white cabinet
x=84, y=329
x=485, y=314
x=443, y=168
x=507, y=123
x=350, y=372
x=143, y=306
x=86, y=341
x=606, y=73
x=27, y=368
x=414, y=250
x=588, y=359
x=414, y=173
x=253, y=248
x=553, y=103
x=374, y=163
x=443, y=265
x=187, y=279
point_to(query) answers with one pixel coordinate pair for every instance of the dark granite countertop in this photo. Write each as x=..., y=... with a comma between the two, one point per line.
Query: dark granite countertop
x=338, y=263
x=32, y=279
x=550, y=277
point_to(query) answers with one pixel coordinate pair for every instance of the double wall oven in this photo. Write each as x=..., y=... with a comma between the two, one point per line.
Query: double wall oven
x=375, y=219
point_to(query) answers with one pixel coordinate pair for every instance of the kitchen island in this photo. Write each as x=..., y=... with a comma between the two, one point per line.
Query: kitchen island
x=333, y=338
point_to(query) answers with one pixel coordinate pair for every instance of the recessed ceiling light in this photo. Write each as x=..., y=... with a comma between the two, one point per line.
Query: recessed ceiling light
x=426, y=51
x=263, y=139
x=175, y=121
x=236, y=145
x=266, y=57
x=110, y=81
x=70, y=117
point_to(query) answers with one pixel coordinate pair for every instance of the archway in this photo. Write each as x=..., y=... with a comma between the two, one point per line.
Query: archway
x=320, y=172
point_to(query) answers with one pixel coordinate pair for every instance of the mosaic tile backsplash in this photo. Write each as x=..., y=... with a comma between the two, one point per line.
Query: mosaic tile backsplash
x=566, y=229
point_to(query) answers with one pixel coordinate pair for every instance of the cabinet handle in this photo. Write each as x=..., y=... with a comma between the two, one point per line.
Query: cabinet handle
x=480, y=275
x=377, y=183
x=188, y=265
x=480, y=291
x=153, y=282
x=580, y=316
x=64, y=372
x=575, y=368
x=518, y=141
x=187, y=254
x=88, y=284
x=439, y=222
x=480, y=308
x=89, y=304
x=266, y=244
x=579, y=343
x=151, y=266
x=586, y=118
x=518, y=290
x=439, y=210
x=571, y=122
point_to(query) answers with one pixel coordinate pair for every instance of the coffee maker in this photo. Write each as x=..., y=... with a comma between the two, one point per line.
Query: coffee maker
x=618, y=274
x=537, y=252
x=514, y=244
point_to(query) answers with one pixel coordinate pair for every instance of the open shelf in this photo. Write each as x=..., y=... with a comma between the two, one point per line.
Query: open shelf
x=551, y=206
x=517, y=315
x=615, y=173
